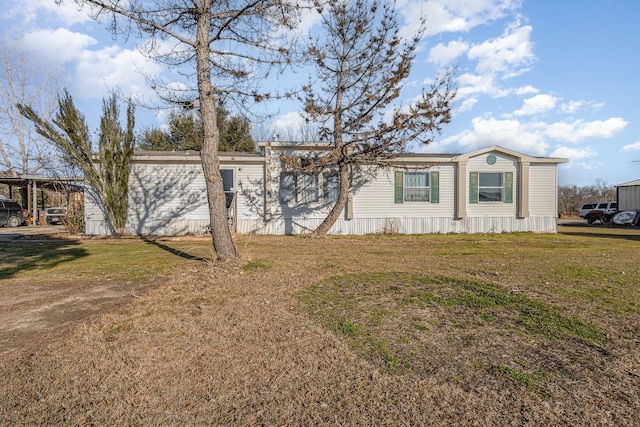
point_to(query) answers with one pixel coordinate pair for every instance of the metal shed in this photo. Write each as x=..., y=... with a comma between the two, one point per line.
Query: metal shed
x=628, y=195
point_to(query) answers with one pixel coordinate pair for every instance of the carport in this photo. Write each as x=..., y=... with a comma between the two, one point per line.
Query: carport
x=30, y=184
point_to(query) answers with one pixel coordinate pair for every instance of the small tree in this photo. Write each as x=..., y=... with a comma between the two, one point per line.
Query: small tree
x=362, y=63
x=108, y=171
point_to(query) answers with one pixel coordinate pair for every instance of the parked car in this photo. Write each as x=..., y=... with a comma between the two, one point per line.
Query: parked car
x=599, y=211
x=604, y=207
x=586, y=208
x=55, y=215
x=10, y=213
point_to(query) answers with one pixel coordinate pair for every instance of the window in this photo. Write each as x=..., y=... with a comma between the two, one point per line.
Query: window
x=490, y=187
x=416, y=187
x=308, y=188
x=330, y=186
x=298, y=187
x=287, y=187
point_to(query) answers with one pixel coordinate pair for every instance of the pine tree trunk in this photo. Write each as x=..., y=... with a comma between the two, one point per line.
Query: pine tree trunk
x=220, y=233
x=343, y=196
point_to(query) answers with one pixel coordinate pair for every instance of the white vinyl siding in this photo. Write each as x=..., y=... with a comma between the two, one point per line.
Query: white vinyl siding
x=502, y=165
x=543, y=184
x=376, y=199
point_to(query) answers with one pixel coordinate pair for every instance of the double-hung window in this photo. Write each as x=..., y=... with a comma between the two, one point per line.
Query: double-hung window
x=416, y=187
x=298, y=187
x=287, y=187
x=307, y=188
x=491, y=187
x=330, y=186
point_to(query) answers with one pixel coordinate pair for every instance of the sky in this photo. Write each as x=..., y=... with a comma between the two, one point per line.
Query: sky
x=542, y=77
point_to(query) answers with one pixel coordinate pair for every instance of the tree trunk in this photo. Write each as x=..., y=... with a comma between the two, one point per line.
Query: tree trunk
x=220, y=233
x=343, y=196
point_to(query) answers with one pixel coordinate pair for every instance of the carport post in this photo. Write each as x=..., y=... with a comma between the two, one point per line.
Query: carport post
x=34, y=190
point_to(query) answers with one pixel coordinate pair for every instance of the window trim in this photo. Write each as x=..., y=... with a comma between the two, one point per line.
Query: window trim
x=501, y=187
x=303, y=188
x=506, y=193
x=329, y=186
x=432, y=189
x=426, y=189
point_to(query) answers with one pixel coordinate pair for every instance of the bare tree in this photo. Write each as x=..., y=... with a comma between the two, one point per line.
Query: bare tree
x=225, y=42
x=361, y=64
x=571, y=197
x=24, y=81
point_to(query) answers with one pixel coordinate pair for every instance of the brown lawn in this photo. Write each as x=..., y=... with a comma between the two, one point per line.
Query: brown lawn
x=511, y=329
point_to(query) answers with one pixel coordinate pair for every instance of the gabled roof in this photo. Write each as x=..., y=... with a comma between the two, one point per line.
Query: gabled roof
x=630, y=183
x=511, y=153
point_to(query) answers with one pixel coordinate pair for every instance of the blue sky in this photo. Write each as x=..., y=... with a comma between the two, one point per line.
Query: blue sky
x=544, y=77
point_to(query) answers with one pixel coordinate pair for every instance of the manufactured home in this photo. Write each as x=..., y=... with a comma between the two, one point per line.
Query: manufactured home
x=492, y=190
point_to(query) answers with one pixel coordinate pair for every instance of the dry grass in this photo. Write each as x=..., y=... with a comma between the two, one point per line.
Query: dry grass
x=378, y=330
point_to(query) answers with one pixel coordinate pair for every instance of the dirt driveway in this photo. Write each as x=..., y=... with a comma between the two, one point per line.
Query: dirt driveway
x=33, y=311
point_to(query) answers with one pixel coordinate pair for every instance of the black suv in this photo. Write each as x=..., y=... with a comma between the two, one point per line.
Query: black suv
x=10, y=213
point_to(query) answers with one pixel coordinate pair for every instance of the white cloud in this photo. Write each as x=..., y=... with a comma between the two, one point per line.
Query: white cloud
x=526, y=90
x=94, y=72
x=444, y=55
x=573, y=153
x=536, y=105
x=579, y=130
x=523, y=137
x=288, y=126
x=28, y=12
x=509, y=54
x=631, y=147
x=479, y=84
x=98, y=72
x=452, y=15
x=60, y=45
x=571, y=107
x=467, y=104
x=532, y=137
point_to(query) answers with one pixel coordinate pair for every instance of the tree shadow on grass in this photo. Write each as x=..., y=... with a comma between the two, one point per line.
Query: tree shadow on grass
x=173, y=251
x=24, y=255
x=605, y=232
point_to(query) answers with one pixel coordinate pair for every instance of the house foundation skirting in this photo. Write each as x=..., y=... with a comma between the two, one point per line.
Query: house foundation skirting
x=361, y=226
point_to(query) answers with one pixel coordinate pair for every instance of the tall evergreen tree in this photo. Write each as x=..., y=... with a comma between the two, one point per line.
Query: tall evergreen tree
x=107, y=172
